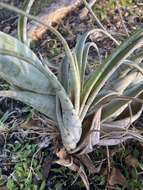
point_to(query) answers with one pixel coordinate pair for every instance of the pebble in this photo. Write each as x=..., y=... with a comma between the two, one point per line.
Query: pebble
x=7, y=29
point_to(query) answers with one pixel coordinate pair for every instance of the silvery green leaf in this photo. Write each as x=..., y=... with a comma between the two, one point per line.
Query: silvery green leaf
x=115, y=136
x=121, y=84
x=10, y=43
x=67, y=133
x=90, y=136
x=72, y=62
x=65, y=74
x=43, y=103
x=87, y=47
x=22, y=22
x=125, y=119
x=113, y=141
x=23, y=75
x=138, y=79
x=101, y=99
x=116, y=107
x=97, y=81
x=79, y=49
x=70, y=124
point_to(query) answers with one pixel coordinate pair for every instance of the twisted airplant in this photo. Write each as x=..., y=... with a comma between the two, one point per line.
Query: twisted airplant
x=89, y=111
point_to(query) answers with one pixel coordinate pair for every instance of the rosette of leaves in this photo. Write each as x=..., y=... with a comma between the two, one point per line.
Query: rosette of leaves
x=88, y=111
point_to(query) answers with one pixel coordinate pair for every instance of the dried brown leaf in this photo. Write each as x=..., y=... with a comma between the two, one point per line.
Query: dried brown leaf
x=132, y=161
x=62, y=154
x=3, y=188
x=30, y=124
x=73, y=164
x=91, y=137
x=116, y=177
x=46, y=167
x=86, y=160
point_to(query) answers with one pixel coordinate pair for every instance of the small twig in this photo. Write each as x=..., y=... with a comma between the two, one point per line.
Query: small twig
x=77, y=176
x=99, y=24
x=85, y=11
x=131, y=115
x=31, y=168
x=122, y=19
x=9, y=19
x=108, y=159
x=12, y=176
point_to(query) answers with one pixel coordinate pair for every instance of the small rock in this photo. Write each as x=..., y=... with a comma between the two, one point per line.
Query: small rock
x=7, y=29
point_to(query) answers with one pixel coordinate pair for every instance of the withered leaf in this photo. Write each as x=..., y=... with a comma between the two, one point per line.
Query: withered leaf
x=132, y=161
x=116, y=177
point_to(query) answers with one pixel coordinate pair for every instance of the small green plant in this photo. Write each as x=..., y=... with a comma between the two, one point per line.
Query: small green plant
x=87, y=111
x=25, y=168
x=103, y=9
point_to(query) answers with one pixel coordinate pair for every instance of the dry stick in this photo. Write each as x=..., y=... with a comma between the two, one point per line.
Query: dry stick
x=31, y=168
x=131, y=116
x=99, y=24
x=122, y=20
x=108, y=159
x=85, y=11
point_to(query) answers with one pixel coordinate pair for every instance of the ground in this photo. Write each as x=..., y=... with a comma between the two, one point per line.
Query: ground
x=25, y=153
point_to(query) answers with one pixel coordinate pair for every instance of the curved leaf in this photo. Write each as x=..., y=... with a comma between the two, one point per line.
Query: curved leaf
x=85, y=57
x=43, y=103
x=22, y=22
x=23, y=75
x=104, y=71
x=74, y=69
x=90, y=136
x=125, y=119
x=121, y=84
x=71, y=122
x=10, y=43
x=79, y=49
x=116, y=107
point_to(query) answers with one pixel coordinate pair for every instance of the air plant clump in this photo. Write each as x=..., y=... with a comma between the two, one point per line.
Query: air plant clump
x=97, y=110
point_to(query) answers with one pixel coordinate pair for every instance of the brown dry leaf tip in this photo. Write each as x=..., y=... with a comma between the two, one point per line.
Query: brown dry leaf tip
x=35, y=124
x=87, y=162
x=141, y=144
x=116, y=177
x=114, y=151
x=132, y=161
x=73, y=164
x=46, y=166
x=30, y=124
x=65, y=159
x=62, y=154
